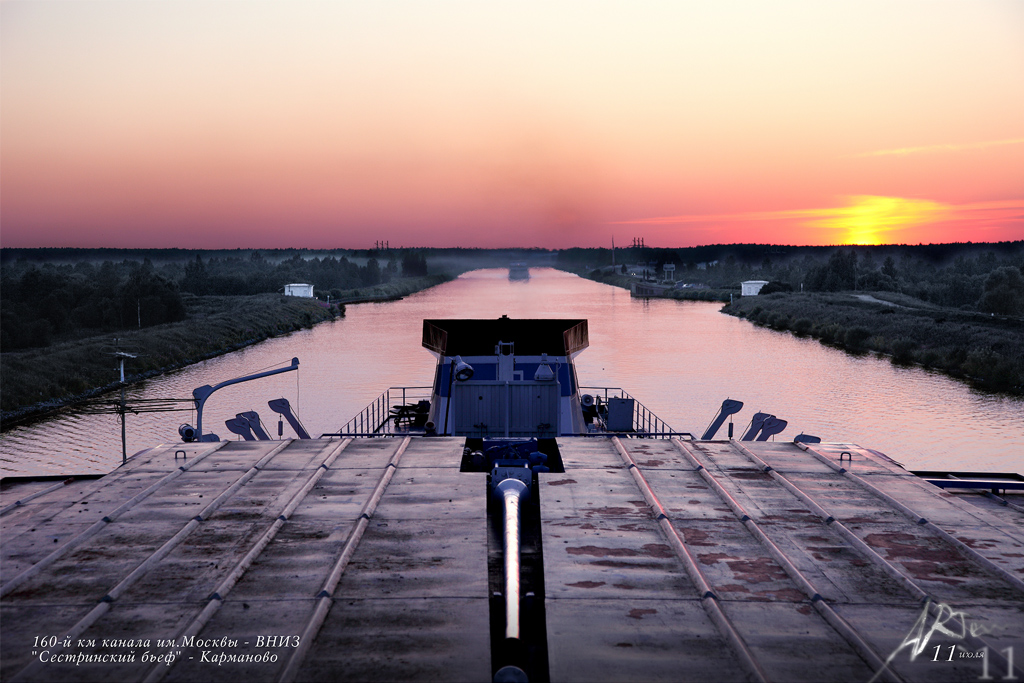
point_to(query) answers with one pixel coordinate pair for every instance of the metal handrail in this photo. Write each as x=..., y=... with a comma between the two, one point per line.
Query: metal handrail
x=375, y=418
x=645, y=421
x=622, y=435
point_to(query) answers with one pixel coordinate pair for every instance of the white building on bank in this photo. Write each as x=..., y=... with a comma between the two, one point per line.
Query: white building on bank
x=752, y=287
x=299, y=289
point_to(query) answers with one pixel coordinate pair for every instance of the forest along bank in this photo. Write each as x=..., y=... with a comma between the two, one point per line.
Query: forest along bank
x=958, y=309
x=40, y=380
x=679, y=358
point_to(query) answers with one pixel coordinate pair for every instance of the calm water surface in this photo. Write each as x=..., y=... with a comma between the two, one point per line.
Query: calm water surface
x=678, y=358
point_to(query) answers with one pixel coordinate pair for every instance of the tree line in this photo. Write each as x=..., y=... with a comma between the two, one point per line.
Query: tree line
x=972, y=277
x=256, y=274
x=52, y=294
x=38, y=305
x=42, y=301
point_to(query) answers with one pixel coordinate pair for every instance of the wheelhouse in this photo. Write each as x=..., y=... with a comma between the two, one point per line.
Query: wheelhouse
x=505, y=377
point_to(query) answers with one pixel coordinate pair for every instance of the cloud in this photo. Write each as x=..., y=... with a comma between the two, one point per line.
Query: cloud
x=904, y=151
x=723, y=217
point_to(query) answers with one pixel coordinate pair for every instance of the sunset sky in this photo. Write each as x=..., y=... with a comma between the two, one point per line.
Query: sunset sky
x=485, y=124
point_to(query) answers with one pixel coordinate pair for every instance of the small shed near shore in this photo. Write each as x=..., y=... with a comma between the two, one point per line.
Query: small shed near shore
x=299, y=289
x=752, y=287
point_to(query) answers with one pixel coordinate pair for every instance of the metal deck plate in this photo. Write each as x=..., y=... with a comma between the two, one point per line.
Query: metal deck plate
x=412, y=602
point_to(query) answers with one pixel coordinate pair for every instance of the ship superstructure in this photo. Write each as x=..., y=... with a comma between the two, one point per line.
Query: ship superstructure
x=506, y=377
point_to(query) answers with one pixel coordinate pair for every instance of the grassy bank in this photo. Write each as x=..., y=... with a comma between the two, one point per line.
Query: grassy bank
x=986, y=350
x=38, y=381
x=625, y=281
x=396, y=289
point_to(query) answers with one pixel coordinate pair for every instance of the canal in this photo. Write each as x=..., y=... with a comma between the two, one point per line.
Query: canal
x=679, y=358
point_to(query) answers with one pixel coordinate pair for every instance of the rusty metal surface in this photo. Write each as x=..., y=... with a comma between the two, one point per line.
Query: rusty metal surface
x=657, y=454
x=1010, y=519
x=425, y=639
x=793, y=643
x=427, y=546
x=776, y=620
x=413, y=601
x=612, y=551
x=619, y=605
x=628, y=639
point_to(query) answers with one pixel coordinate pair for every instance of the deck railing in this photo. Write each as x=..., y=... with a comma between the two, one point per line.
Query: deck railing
x=378, y=418
x=645, y=423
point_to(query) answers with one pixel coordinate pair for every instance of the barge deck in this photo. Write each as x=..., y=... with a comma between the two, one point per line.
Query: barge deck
x=367, y=560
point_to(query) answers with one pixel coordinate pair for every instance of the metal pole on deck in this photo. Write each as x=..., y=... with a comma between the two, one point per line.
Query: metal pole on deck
x=122, y=409
x=512, y=492
x=448, y=406
x=124, y=438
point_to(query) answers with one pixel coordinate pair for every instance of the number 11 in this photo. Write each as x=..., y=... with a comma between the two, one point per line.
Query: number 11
x=984, y=665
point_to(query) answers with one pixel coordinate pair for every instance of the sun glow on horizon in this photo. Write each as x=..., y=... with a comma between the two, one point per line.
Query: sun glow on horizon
x=861, y=219
x=873, y=220
x=450, y=124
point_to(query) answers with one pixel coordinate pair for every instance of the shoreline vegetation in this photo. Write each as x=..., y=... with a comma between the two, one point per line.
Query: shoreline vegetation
x=40, y=381
x=984, y=349
x=958, y=307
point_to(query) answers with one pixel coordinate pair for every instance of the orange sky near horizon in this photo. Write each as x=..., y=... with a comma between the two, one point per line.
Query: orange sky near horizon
x=332, y=125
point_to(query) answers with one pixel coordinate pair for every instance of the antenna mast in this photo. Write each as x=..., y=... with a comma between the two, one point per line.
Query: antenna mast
x=121, y=355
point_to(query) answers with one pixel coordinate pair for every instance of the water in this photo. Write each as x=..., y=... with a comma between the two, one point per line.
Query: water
x=678, y=358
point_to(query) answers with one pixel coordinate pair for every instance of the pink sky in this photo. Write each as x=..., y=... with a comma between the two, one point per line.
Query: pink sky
x=222, y=125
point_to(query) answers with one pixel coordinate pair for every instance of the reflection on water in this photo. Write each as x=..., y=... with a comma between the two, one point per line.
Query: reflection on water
x=679, y=358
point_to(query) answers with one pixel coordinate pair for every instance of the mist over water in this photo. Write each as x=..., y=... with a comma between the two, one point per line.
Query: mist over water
x=680, y=359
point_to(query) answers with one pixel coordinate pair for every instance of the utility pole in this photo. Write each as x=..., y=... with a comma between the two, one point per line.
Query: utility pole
x=122, y=409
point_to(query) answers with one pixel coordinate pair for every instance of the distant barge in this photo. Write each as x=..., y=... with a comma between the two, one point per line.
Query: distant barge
x=518, y=271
